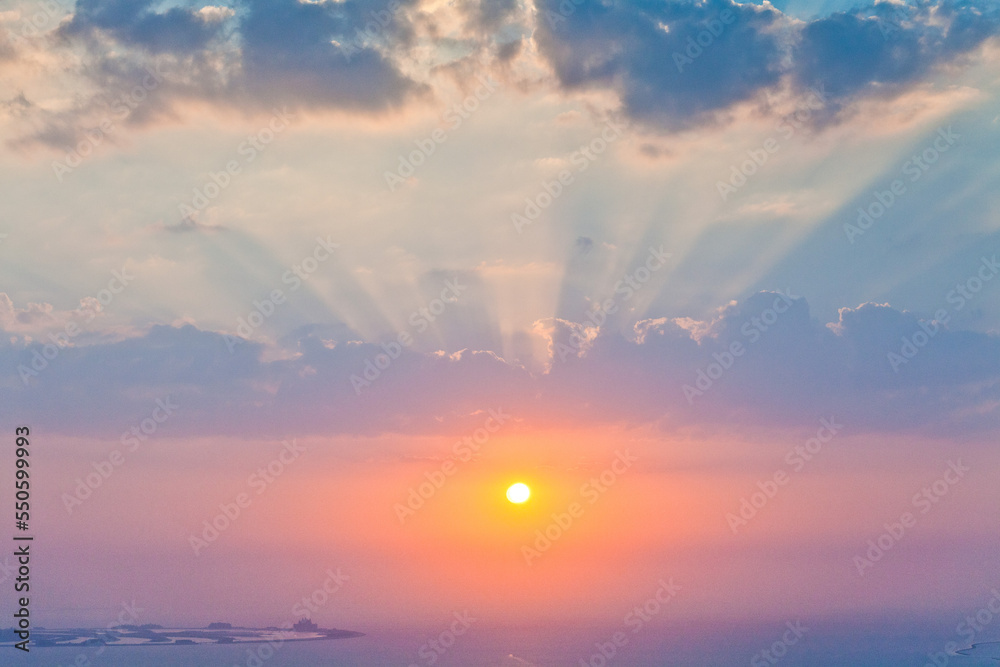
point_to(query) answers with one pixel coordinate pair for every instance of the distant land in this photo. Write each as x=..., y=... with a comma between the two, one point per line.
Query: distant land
x=156, y=635
x=988, y=650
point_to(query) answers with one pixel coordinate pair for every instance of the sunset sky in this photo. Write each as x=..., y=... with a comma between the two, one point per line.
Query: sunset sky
x=661, y=261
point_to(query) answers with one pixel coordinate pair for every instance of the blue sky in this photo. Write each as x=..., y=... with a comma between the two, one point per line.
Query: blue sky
x=840, y=127
x=366, y=222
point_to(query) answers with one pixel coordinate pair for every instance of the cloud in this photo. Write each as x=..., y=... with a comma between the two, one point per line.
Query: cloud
x=885, y=47
x=40, y=324
x=189, y=225
x=7, y=50
x=675, y=64
x=16, y=320
x=212, y=13
x=252, y=57
x=323, y=54
x=789, y=366
x=640, y=49
x=17, y=106
x=788, y=370
x=672, y=64
x=489, y=15
x=35, y=320
x=176, y=30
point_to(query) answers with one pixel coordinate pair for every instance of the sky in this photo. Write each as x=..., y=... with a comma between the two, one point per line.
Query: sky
x=723, y=277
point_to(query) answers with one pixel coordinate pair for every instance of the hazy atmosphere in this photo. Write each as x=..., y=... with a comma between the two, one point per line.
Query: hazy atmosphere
x=293, y=291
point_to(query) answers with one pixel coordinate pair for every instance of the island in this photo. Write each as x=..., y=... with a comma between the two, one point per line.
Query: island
x=156, y=635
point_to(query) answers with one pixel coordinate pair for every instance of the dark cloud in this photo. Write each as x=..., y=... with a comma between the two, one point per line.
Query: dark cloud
x=846, y=53
x=674, y=64
x=885, y=47
x=176, y=30
x=19, y=105
x=252, y=55
x=791, y=370
x=289, y=55
x=510, y=50
x=496, y=29
x=7, y=50
x=644, y=50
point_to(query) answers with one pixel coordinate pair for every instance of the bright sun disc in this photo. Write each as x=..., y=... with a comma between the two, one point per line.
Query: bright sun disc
x=518, y=493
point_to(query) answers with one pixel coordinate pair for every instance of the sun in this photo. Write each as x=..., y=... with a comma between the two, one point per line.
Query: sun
x=518, y=493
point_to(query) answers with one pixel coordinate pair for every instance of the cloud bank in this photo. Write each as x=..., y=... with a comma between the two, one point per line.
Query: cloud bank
x=763, y=360
x=675, y=64
x=672, y=65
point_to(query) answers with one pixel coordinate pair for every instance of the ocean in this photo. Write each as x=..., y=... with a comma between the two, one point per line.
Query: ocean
x=881, y=643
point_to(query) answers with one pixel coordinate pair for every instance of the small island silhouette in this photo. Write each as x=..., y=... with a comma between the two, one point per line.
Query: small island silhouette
x=151, y=634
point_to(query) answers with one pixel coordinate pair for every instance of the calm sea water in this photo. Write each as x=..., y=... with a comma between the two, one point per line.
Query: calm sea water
x=878, y=644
